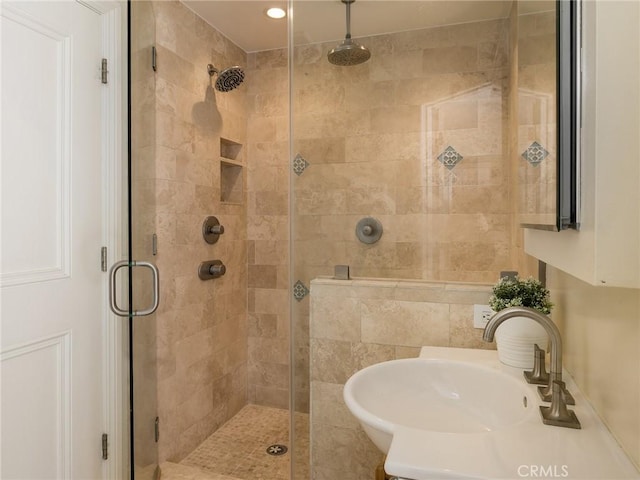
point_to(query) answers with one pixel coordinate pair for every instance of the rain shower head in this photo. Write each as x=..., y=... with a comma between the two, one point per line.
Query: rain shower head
x=228, y=79
x=349, y=52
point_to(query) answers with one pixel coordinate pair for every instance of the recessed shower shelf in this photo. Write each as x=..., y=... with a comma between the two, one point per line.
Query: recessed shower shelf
x=231, y=174
x=231, y=182
x=231, y=162
x=230, y=150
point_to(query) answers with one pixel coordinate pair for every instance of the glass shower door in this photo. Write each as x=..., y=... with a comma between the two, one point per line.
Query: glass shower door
x=142, y=218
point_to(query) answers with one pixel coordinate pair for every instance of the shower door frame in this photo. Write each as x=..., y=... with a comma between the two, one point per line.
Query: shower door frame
x=116, y=137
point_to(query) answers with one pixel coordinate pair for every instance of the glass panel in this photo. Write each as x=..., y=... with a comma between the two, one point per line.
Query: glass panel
x=535, y=132
x=213, y=362
x=143, y=371
x=423, y=137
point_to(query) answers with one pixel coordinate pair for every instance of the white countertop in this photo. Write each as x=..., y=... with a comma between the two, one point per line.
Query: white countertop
x=527, y=450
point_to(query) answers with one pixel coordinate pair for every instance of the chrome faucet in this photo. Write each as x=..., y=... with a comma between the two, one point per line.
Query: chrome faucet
x=557, y=414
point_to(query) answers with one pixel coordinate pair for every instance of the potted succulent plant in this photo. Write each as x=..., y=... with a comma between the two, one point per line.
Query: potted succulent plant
x=516, y=337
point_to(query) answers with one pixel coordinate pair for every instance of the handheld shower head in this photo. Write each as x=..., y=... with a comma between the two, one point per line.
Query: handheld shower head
x=228, y=79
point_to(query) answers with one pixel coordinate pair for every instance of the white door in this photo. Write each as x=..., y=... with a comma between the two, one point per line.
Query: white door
x=52, y=284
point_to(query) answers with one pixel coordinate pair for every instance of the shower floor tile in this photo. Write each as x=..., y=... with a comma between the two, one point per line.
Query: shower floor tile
x=239, y=448
x=175, y=471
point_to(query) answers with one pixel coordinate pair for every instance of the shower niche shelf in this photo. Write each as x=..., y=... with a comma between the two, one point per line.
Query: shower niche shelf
x=230, y=150
x=231, y=175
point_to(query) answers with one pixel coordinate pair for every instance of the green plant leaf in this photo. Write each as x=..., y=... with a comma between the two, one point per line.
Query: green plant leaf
x=515, y=292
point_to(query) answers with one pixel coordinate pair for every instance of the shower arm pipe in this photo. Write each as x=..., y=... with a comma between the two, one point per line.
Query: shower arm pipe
x=348, y=3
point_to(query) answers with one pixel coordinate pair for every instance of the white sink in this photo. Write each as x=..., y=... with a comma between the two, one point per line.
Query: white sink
x=460, y=413
x=434, y=395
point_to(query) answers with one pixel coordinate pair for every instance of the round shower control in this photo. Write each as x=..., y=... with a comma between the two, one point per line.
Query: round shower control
x=211, y=230
x=369, y=230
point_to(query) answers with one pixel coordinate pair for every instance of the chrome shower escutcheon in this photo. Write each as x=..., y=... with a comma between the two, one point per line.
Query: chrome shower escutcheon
x=369, y=230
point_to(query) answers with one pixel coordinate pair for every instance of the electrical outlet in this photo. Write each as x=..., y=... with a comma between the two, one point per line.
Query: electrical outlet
x=481, y=315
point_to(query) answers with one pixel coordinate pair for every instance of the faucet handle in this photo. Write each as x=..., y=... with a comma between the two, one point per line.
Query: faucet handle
x=546, y=392
x=539, y=375
x=557, y=413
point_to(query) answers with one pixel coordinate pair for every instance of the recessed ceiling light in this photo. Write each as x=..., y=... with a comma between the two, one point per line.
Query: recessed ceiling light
x=276, y=12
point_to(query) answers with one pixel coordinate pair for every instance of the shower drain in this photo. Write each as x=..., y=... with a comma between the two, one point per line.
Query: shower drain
x=276, y=449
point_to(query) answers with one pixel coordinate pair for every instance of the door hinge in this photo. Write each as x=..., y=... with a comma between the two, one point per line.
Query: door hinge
x=154, y=58
x=103, y=259
x=105, y=446
x=156, y=429
x=104, y=71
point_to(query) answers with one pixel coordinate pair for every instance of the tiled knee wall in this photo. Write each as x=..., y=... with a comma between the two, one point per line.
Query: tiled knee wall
x=356, y=323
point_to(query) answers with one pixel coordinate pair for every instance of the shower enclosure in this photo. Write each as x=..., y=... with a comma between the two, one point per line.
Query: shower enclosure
x=445, y=136
x=195, y=362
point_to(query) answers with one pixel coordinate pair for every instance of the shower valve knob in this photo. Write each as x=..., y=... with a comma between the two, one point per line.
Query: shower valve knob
x=211, y=269
x=367, y=230
x=211, y=230
x=217, y=270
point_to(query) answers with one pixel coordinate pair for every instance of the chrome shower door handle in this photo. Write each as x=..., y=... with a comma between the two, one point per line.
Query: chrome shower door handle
x=113, y=302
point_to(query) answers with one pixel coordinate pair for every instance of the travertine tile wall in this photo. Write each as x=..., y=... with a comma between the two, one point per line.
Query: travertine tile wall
x=372, y=134
x=201, y=326
x=357, y=323
x=268, y=227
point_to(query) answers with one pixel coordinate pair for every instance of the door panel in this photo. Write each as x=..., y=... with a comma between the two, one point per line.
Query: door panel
x=52, y=284
x=41, y=250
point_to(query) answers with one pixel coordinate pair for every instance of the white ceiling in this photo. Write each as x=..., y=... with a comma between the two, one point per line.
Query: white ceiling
x=246, y=24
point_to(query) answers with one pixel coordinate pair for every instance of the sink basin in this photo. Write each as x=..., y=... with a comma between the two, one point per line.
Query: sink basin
x=435, y=395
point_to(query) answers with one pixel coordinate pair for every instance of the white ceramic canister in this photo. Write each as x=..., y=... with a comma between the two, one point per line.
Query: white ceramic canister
x=515, y=339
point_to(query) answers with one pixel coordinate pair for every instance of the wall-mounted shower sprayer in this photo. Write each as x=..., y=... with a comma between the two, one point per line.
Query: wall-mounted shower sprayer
x=228, y=79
